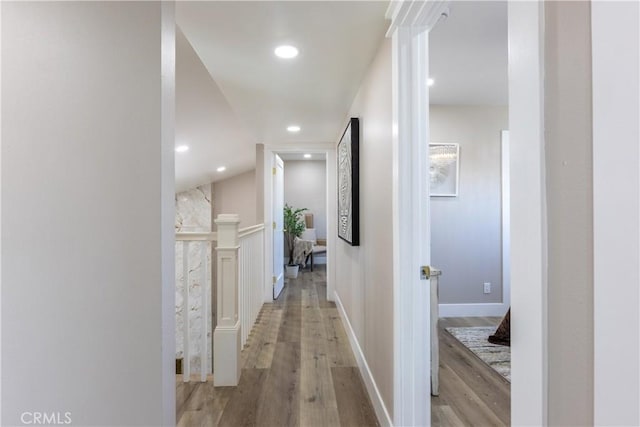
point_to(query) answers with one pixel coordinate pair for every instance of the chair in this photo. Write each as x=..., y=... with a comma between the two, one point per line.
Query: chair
x=319, y=245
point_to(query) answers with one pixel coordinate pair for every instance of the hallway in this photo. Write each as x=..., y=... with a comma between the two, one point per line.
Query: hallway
x=298, y=369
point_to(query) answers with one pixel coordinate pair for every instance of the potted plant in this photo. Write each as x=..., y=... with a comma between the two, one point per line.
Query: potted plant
x=293, y=227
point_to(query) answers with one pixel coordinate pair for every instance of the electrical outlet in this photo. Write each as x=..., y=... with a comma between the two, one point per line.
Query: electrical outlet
x=487, y=287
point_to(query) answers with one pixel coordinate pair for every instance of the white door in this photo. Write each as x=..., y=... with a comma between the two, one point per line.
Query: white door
x=278, y=232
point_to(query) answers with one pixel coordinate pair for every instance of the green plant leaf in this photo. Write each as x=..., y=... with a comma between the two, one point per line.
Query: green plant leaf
x=293, y=226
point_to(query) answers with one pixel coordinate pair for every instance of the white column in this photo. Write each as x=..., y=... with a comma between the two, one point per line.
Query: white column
x=226, y=337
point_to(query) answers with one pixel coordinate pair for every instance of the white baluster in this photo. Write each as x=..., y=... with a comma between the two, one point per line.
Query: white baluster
x=246, y=311
x=204, y=311
x=243, y=287
x=248, y=287
x=240, y=293
x=186, y=363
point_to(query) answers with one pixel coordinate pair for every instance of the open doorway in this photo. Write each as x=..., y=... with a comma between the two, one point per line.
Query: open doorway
x=468, y=153
x=321, y=154
x=299, y=186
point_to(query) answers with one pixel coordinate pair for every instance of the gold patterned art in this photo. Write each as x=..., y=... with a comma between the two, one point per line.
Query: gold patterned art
x=444, y=169
x=348, y=184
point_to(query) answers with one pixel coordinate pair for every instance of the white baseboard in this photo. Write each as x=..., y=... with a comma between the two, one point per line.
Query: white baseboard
x=374, y=394
x=473, y=310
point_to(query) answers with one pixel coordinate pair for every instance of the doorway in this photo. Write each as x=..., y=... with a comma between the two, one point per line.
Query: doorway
x=412, y=22
x=468, y=111
x=305, y=187
x=308, y=182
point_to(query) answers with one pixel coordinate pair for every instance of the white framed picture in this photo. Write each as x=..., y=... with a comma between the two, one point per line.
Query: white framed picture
x=444, y=170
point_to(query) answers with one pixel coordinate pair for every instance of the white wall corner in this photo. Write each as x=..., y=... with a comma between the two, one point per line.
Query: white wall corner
x=372, y=389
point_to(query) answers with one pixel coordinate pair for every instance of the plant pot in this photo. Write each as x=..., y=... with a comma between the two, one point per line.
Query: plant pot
x=292, y=271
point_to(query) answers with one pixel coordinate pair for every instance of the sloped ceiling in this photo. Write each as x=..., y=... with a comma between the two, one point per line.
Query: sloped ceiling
x=206, y=124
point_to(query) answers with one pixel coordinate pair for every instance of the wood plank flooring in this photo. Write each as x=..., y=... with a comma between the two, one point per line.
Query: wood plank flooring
x=298, y=369
x=471, y=393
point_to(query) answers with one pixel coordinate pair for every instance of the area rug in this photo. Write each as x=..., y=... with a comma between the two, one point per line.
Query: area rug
x=498, y=357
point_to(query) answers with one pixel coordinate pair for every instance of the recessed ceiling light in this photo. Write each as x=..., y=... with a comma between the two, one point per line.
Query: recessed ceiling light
x=221, y=169
x=182, y=148
x=293, y=128
x=307, y=156
x=430, y=82
x=286, y=52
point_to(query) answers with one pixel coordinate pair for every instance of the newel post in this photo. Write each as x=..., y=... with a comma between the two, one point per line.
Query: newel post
x=226, y=336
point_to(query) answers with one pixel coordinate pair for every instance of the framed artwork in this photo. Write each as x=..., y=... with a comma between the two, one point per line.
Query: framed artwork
x=349, y=184
x=444, y=166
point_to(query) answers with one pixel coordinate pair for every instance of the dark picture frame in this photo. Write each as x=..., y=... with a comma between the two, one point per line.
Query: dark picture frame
x=348, y=156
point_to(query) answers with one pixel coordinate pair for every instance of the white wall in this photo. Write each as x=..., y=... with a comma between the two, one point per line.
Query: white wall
x=259, y=174
x=305, y=186
x=364, y=276
x=87, y=212
x=236, y=195
x=616, y=177
x=466, y=230
x=568, y=146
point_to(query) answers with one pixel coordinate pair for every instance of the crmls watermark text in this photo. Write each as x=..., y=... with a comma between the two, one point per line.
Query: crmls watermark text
x=45, y=418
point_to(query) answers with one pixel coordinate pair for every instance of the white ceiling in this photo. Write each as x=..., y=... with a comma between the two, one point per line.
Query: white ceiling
x=232, y=92
x=287, y=157
x=468, y=55
x=263, y=93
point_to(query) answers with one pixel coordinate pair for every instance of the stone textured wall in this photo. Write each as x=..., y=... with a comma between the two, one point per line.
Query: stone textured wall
x=193, y=213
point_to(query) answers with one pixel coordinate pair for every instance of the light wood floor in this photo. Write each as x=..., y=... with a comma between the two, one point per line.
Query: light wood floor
x=298, y=369
x=471, y=393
